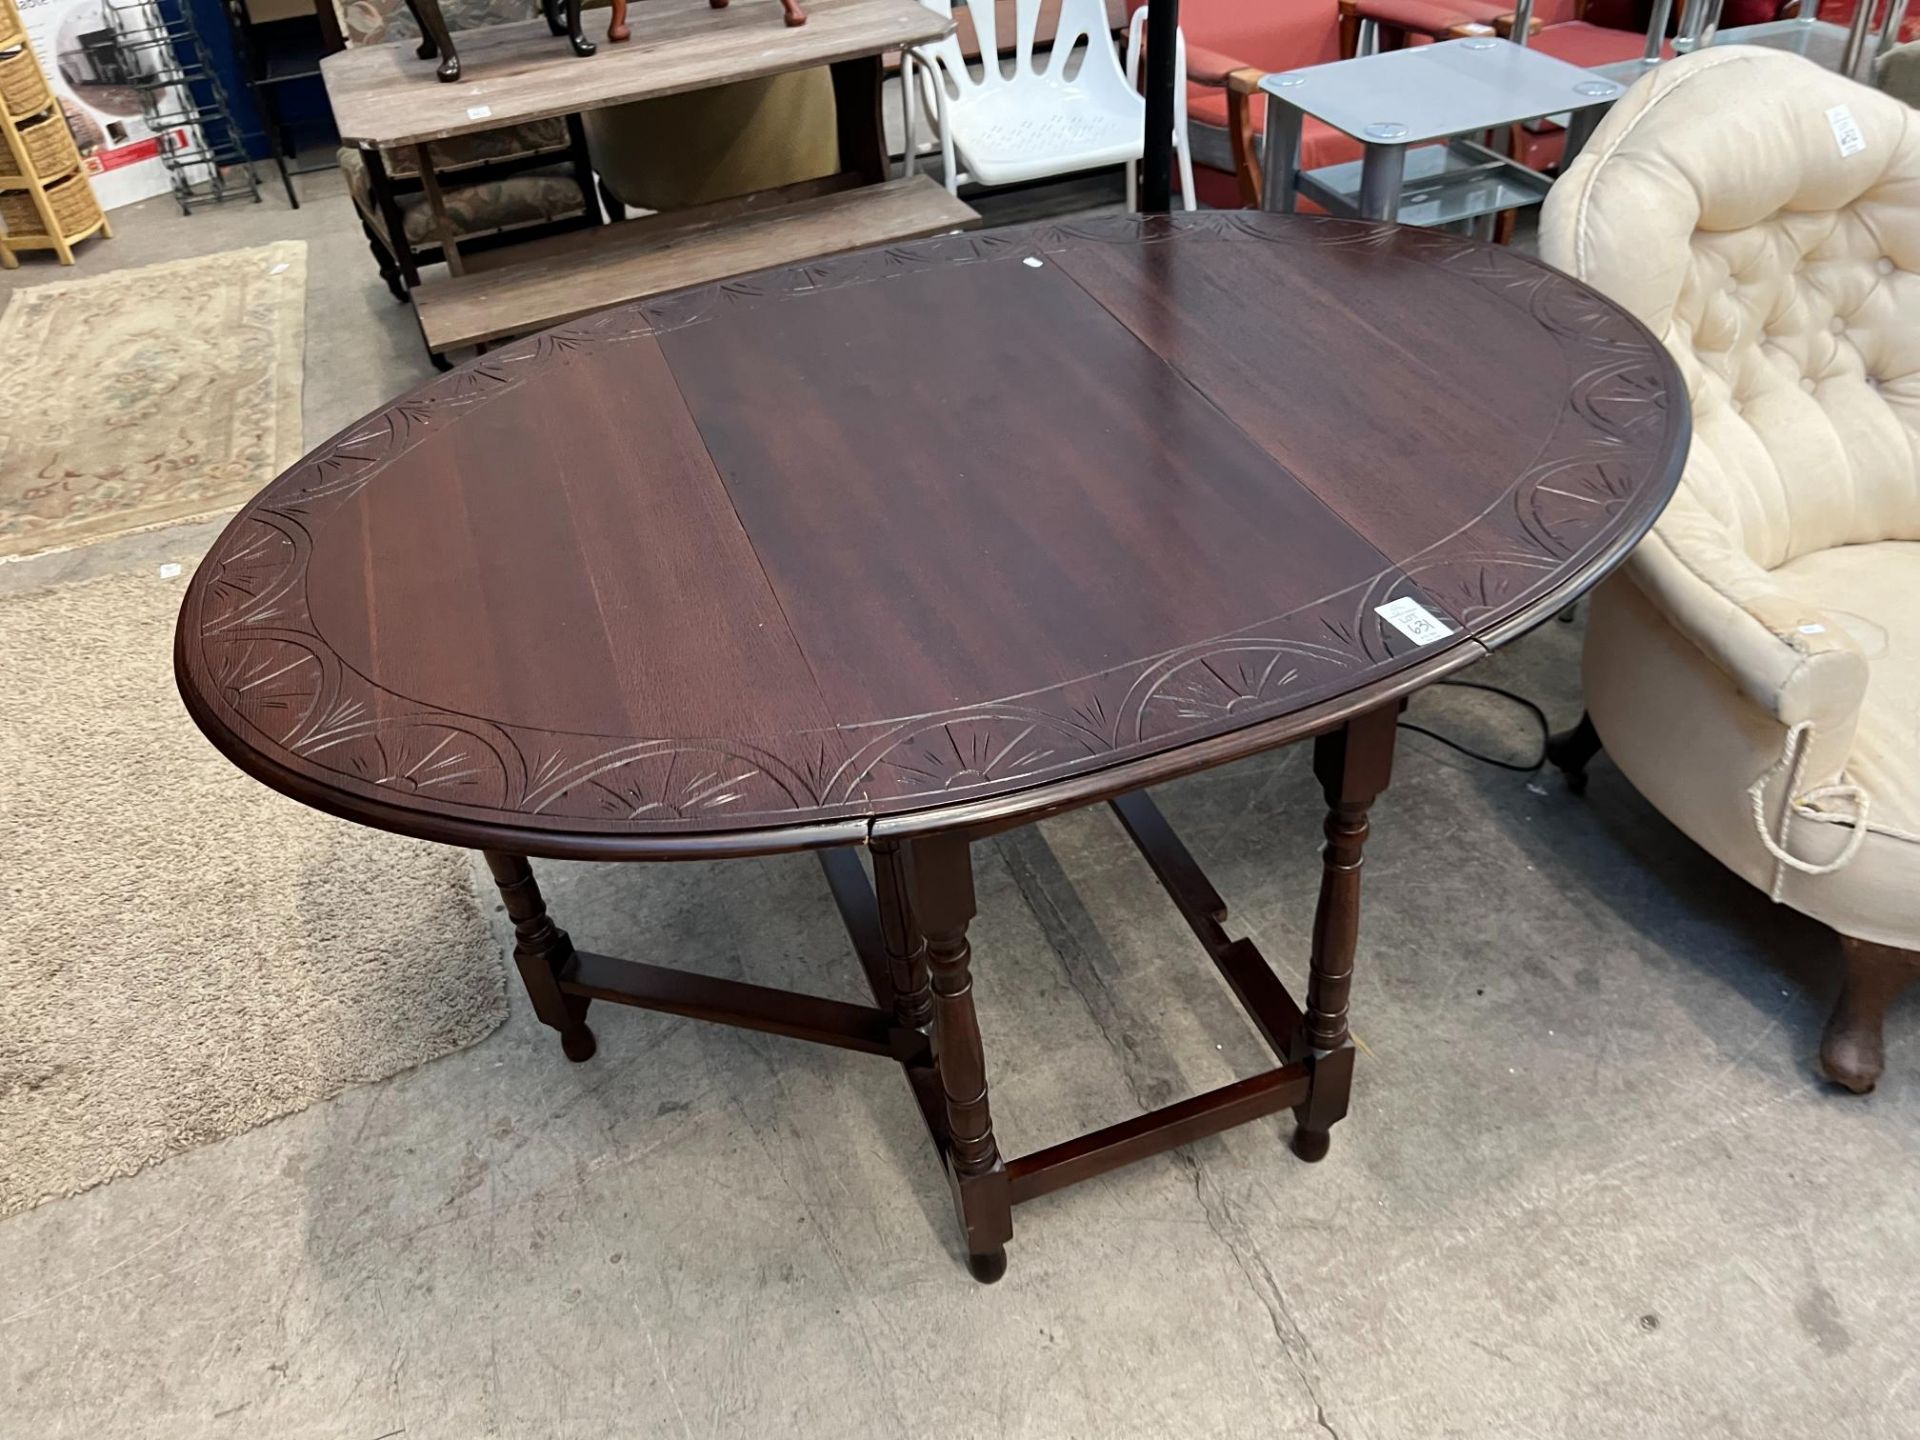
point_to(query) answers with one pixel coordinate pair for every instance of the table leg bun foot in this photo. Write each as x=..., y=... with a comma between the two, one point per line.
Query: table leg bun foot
x=1311, y=1145
x=989, y=1267
x=449, y=70
x=579, y=1044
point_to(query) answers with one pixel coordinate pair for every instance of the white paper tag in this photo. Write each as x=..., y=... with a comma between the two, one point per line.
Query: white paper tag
x=169, y=571
x=480, y=112
x=279, y=269
x=1033, y=262
x=1413, y=620
x=1846, y=131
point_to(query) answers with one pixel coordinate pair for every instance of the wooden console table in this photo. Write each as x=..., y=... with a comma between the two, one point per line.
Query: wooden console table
x=902, y=548
x=384, y=96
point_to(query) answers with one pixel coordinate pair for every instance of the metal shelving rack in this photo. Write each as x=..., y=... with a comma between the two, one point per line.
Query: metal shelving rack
x=277, y=49
x=184, y=104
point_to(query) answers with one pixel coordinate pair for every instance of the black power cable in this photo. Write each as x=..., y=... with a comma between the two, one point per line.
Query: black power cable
x=1538, y=714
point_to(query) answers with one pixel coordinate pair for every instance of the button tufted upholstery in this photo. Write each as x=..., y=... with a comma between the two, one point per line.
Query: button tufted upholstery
x=1767, y=633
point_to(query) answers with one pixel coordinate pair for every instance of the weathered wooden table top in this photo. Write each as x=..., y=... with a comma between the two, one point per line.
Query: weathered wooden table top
x=385, y=95
x=969, y=527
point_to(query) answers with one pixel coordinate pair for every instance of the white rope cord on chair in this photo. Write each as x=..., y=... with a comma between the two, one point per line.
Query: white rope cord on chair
x=1793, y=763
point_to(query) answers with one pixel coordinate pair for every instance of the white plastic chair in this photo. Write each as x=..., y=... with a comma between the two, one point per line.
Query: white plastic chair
x=1001, y=129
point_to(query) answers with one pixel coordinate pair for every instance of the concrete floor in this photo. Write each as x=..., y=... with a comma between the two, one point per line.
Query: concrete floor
x=1590, y=1186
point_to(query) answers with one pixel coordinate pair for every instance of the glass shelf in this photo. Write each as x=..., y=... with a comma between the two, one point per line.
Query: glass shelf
x=1445, y=184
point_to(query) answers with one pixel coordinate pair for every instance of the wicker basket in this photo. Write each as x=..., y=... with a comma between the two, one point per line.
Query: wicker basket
x=74, y=209
x=22, y=88
x=50, y=148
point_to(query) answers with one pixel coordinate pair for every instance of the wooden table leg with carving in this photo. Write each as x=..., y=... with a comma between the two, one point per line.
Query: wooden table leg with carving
x=1352, y=765
x=542, y=951
x=900, y=933
x=941, y=884
x=909, y=930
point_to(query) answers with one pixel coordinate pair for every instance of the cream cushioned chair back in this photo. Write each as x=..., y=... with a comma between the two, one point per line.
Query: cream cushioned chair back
x=1762, y=215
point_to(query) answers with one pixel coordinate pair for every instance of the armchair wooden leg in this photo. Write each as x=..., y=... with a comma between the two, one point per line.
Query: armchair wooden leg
x=1245, y=146
x=1572, y=750
x=1853, y=1052
x=435, y=38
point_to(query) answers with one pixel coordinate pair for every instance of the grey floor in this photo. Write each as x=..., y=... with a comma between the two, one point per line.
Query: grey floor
x=1590, y=1186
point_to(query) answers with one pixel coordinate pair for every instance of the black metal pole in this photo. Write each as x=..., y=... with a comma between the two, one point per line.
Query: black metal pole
x=1156, y=165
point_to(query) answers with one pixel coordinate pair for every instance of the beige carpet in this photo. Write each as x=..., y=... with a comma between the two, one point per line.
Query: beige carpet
x=184, y=953
x=147, y=396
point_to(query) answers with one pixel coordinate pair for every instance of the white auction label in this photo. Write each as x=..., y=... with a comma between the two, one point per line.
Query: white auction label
x=479, y=112
x=1413, y=620
x=1846, y=131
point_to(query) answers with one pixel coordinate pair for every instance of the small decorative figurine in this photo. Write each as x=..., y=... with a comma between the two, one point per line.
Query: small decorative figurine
x=435, y=39
x=617, y=29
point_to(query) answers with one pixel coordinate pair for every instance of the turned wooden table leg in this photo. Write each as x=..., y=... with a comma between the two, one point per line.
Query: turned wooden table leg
x=940, y=872
x=1352, y=765
x=1853, y=1050
x=900, y=932
x=541, y=949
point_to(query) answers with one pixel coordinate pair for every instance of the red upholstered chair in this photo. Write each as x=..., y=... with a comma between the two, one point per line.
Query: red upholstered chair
x=1231, y=44
x=1840, y=12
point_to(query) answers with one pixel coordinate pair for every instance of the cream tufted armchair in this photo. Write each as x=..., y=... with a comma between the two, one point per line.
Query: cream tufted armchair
x=1754, y=669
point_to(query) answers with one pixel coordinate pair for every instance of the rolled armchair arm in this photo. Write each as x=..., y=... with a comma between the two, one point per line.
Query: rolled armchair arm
x=1793, y=660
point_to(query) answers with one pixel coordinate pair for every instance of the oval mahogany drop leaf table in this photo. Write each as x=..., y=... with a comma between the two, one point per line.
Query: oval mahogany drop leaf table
x=901, y=548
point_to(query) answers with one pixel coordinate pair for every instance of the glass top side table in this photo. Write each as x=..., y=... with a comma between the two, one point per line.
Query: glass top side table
x=1399, y=103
